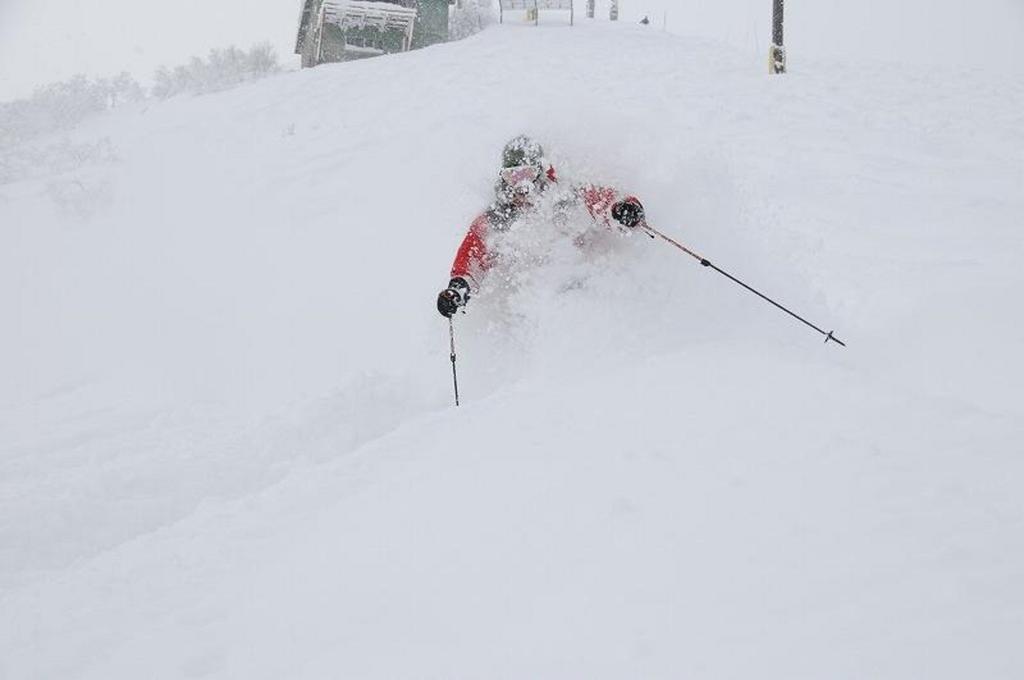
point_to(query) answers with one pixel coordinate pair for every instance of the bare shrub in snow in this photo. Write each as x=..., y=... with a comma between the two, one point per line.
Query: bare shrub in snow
x=220, y=70
x=62, y=105
x=53, y=109
x=470, y=17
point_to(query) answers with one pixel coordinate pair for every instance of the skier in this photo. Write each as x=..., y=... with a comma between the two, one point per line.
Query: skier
x=524, y=179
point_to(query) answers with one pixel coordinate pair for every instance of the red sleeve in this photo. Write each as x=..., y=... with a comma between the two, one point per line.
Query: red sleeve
x=599, y=201
x=471, y=260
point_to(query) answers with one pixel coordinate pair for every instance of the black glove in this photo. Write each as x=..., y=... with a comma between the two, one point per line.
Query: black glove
x=454, y=296
x=628, y=213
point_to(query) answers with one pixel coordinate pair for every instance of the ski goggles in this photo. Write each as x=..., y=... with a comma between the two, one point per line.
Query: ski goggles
x=520, y=174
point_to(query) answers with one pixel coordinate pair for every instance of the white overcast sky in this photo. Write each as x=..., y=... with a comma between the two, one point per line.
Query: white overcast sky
x=46, y=40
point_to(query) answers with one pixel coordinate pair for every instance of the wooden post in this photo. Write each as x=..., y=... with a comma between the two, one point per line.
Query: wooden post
x=613, y=11
x=590, y=8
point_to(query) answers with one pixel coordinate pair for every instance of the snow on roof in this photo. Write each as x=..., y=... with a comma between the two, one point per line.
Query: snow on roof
x=360, y=13
x=355, y=14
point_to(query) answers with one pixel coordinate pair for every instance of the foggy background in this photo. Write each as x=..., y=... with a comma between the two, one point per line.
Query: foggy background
x=46, y=40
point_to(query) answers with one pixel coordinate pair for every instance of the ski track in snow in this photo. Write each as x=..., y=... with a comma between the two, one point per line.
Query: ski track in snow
x=226, y=446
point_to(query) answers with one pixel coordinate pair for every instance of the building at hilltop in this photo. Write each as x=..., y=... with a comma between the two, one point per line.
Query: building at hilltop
x=339, y=30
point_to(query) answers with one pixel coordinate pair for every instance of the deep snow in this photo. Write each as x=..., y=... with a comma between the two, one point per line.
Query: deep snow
x=226, y=444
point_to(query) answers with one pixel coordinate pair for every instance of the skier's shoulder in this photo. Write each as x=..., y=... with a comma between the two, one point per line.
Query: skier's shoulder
x=479, y=225
x=497, y=216
x=492, y=218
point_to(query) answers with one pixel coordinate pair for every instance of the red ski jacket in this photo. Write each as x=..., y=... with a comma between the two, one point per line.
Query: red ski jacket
x=473, y=258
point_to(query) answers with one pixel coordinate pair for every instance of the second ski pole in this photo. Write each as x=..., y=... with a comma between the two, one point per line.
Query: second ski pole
x=455, y=376
x=652, y=232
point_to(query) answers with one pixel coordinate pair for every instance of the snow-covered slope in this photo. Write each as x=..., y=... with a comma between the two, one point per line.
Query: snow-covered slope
x=226, y=444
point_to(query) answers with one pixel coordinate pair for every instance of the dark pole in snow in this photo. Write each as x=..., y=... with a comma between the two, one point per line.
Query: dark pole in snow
x=455, y=376
x=777, y=55
x=652, y=232
x=777, y=22
x=590, y=9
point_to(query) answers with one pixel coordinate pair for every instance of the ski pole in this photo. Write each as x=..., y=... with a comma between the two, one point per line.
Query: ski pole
x=652, y=232
x=455, y=376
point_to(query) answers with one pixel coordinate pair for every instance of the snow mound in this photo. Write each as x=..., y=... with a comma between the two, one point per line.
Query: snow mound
x=226, y=441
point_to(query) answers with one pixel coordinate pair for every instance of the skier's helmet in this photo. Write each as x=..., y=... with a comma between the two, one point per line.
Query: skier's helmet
x=522, y=150
x=522, y=171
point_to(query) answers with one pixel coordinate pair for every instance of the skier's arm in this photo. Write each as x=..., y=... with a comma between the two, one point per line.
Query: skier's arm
x=610, y=207
x=471, y=259
x=470, y=263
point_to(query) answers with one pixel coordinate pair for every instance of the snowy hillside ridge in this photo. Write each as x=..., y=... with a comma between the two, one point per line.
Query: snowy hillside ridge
x=34, y=139
x=62, y=105
x=227, y=444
